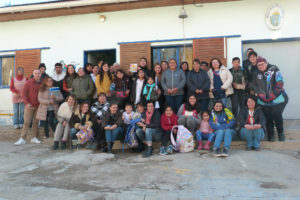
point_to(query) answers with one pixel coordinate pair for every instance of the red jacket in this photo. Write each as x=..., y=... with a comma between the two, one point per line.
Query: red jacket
x=30, y=93
x=167, y=123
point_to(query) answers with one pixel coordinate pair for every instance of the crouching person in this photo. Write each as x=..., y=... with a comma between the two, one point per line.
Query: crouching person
x=112, y=123
x=81, y=120
x=252, y=122
x=150, y=128
x=64, y=115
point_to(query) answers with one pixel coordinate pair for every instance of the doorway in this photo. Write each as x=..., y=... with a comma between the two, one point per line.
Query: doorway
x=94, y=56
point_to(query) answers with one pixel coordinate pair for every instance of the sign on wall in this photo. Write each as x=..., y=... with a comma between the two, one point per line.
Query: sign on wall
x=274, y=17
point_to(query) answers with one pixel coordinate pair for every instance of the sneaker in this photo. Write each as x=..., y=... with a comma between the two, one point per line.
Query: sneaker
x=248, y=148
x=225, y=152
x=35, y=141
x=170, y=149
x=217, y=152
x=163, y=151
x=20, y=142
x=16, y=126
x=20, y=125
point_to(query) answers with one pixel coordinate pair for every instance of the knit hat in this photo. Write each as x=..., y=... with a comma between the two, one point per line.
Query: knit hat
x=261, y=59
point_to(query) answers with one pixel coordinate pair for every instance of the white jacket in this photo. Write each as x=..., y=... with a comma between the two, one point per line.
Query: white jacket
x=226, y=78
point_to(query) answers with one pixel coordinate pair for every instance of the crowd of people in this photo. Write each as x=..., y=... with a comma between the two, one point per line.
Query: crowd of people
x=100, y=104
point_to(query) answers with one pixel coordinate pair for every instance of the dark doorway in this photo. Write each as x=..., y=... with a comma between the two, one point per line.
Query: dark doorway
x=94, y=56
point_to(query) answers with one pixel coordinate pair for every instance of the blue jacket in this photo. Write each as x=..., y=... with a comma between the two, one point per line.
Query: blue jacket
x=221, y=121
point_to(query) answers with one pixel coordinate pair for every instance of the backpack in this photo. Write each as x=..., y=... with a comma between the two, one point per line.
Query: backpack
x=131, y=137
x=184, y=141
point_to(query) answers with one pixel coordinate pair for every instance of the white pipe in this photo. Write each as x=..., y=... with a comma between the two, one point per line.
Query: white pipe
x=57, y=5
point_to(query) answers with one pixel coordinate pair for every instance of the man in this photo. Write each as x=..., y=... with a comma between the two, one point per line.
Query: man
x=115, y=67
x=30, y=97
x=252, y=67
x=247, y=62
x=58, y=77
x=42, y=68
x=204, y=66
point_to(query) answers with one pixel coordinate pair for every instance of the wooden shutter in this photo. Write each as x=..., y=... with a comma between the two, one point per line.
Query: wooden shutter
x=132, y=52
x=29, y=60
x=206, y=49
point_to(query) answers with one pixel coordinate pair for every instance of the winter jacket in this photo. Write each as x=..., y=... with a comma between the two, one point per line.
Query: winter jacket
x=64, y=112
x=67, y=82
x=226, y=79
x=239, y=77
x=111, y=120
x=268, y=86
x=173, y=79
x=155, y=120
x=167, y=123
x=133, y=92
x=83, y=87
x=154, y=96
x=221, y=121
x=30, y=93
x=99, y=109
x=198, y=80
x=259, y=117
x=44, y=99
x=78, y=120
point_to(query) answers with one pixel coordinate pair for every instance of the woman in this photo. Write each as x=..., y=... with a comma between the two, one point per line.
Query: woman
x=188, y=114
x=93, y=77
x=120, y=88
x=185, y=68
x=157, y=76
x=64, y=114
x=99, y=108
x=173, y=81
x=164, y=65
x=220, y=81
x=104, y=80
x=81, y=120
x=198, y=83
x=16, y=86
x=252, y=122
x=70, y=76
x=136, y=95
x=222, y=122
x=267, y=84
x=83, y=87
x=149, y=128
x=112, y=124
x=48, y=106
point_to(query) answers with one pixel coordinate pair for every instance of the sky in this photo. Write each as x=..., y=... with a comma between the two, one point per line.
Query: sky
x=4, y=3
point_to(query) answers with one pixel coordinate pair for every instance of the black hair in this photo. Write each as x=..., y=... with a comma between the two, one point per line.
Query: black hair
x=250, y=49
x=219, y=61
x=67, y=73
x=101, y=72
x=152, y=102
x=190, y=107
x=204, y=111
x=128, y=104
x=204, y=63
x=187, y=64
x=236, y=58
x=252, y=53
x=167, y=108
x=85, y=68
x=102, y=94
x=254, y=98
x=164, y=61
x=173, y=59
x=42, y=65
x=58, y=65
x=218, y=101
x=197, y=61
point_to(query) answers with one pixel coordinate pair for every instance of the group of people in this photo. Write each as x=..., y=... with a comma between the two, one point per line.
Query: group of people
x=100, y=104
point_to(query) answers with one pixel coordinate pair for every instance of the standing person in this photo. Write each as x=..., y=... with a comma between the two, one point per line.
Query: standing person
x=198, y=83
x=247, y=62
x=104, y=80
x=158, y=87
x=112, y=124
x=58, y=77
x=164, y=65
x=168, y=120
x=64, y=115
x=136, y=95
x=267, y=84
x=239, y=86
x=204, y=66
x=222, y=122
x=188, y=114
x=252, y=122
x=48, y=106
x=115, y=68
x=70, y=76
x=185, y=68
x=83, y=87
x=173, y=81
x=93, y=77
x=150, y=92
x=88, y=68
x=220, y=81
x=150, y=128
x=16, y=86
x=120, y=88
x=99, y=108
x=30, y=97
x=42, y=68
x=252, y=67
x=142, y=66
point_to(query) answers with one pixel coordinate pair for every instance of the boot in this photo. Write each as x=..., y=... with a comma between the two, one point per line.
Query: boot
x=63, y=145
x=281, y=137
x=200, y=146
x=55, y=146
x=206, y=146
x=148, y=152
x=109, y=147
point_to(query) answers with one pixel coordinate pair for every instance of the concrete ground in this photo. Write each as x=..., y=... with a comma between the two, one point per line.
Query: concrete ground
x=34, y=172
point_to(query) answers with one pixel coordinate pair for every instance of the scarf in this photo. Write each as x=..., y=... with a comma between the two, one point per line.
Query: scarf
x=150, y=91
x=250, y=119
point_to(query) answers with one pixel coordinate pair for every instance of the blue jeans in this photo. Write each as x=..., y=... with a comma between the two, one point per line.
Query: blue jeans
x=200, y=136
x=18, y=113
x=150, y=135
x=174, y=101
x=224, y=135
x=73, y=132
x=111, y=135
x=253, y=137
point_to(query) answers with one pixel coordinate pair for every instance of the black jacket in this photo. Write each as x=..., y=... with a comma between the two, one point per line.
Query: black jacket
x=133, y=93
x=259, y=117
x=198, y=80
x=155, y=120
x=109, y=119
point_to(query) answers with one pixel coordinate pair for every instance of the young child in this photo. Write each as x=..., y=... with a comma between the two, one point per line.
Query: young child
x=168, y=121
x=151, y=92
x=128, y=114
x=204, y=132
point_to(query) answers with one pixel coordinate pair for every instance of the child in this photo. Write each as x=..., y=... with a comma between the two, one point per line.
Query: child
x=204, y=132
x=151, y=92
x=168, y=121
x=128, y=114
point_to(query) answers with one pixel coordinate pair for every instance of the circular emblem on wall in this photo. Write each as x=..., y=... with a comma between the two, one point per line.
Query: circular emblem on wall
x=274, y=17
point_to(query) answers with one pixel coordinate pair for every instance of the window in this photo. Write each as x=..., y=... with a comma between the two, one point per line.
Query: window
x=177, y=52
x=7, y=65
